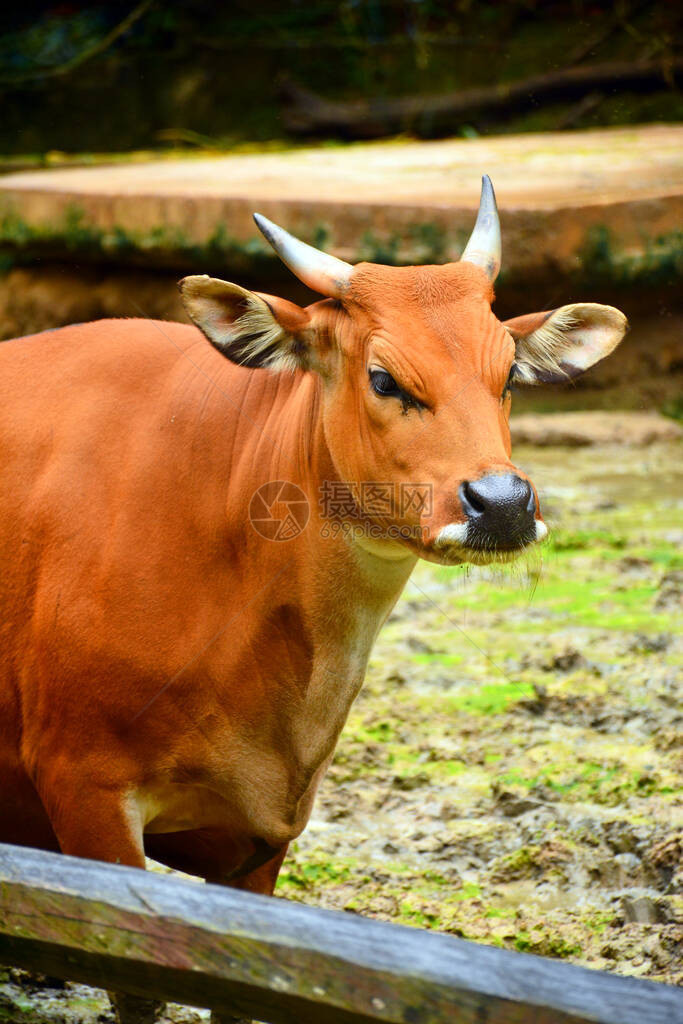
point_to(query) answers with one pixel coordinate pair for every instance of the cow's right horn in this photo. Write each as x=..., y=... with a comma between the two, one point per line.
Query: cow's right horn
x=484, y=246
x=320, y=271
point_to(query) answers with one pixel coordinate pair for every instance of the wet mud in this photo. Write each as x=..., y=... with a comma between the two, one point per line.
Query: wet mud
x=511, y=772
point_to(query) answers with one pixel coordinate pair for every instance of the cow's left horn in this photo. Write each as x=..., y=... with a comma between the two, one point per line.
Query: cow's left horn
x=320, y=271
x=484, y=246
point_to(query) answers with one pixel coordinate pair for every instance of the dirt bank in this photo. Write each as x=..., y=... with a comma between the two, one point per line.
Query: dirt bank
x=645, y=373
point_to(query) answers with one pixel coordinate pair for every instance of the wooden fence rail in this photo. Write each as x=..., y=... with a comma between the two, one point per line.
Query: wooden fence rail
x=281, y=962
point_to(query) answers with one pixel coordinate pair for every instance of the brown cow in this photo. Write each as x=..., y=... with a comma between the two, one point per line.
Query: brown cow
x=172, y=681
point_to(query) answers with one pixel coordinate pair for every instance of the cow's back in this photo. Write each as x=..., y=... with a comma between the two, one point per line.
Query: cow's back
x=95, y=424
x=105, y=429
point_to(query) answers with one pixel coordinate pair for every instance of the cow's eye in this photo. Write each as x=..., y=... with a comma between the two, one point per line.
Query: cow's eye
x=384, y=384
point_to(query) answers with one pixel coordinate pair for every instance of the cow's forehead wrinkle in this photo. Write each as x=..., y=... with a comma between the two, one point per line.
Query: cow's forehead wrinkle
x=437, y=309
x=406, y=363
x=377, y=287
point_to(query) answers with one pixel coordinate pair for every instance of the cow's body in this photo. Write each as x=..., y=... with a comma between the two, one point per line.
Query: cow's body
x=159, y=657
x=172, y=681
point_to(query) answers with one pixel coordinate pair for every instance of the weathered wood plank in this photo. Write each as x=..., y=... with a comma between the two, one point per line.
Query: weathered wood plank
x=282, y=962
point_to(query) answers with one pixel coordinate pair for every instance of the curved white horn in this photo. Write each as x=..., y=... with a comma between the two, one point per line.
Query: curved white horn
x=321, y=272
x=484, y=245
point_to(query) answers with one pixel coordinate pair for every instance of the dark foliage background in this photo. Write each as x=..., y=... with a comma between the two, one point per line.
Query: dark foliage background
x=122, y=75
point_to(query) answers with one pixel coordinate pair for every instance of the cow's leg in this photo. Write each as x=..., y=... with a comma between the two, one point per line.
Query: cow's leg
x=133, y=1009
x=92, y=820
x=260, y=879
x=100, y=824
x=224, y=859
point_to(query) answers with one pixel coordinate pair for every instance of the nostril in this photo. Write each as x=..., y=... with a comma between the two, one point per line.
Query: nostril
x=500, y=510
x=498, y=497
x=473, y=498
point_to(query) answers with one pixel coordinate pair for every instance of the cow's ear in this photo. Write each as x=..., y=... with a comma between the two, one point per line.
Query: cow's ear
x=558, y=345
x=249, y=328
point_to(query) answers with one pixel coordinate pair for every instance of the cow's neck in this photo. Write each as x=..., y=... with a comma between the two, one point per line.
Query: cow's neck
x=342, y=589
x=288, y=443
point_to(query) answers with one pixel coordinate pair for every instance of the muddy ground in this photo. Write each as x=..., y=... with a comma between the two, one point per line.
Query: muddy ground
x=511, y=771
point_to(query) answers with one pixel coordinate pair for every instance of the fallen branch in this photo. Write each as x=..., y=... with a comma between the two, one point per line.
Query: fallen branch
x=307, y=113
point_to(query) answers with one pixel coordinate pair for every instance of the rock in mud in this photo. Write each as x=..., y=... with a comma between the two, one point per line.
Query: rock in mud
x=576, y=429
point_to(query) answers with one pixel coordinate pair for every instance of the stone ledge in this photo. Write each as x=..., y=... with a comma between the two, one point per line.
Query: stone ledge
x=613, y=197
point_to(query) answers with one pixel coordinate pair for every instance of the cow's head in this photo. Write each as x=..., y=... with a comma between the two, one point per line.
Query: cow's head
x=416, y=372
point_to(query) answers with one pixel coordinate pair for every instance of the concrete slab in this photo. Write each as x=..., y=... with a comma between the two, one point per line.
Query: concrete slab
x=402, y=201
